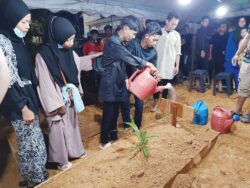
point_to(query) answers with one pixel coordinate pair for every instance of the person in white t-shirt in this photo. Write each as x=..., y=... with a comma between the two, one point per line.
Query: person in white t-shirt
x=168, y=54
x=4, y=76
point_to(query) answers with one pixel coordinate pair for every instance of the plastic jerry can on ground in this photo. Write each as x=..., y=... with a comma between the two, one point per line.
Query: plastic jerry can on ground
x=201, y=113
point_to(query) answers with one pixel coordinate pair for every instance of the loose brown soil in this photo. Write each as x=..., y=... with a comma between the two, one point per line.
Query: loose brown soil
x=227, y=165
x=174, y=154
x=170, y=152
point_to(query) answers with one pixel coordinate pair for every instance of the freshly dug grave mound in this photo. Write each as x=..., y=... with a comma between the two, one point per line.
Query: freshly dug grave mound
x=172, y=150
x=227, y=165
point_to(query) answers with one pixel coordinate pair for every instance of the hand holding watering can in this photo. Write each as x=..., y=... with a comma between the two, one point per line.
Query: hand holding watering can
x=143, y=83
x=154, y=71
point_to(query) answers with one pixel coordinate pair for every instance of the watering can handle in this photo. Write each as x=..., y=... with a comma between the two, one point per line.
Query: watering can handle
x=199, y=103
x=137, y=72
x=219, y=108
x=134, y=75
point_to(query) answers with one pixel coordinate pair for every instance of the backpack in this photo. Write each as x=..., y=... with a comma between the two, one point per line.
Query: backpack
x=98, y=65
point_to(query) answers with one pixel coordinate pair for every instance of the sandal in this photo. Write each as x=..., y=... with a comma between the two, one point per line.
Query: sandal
x=64, y=166
x=23, y=183
x=245, y=118
x=154, y=108
x=84, y=155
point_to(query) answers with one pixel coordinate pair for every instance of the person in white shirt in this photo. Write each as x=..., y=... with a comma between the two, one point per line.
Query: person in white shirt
x=168, y=54
x=4, y=76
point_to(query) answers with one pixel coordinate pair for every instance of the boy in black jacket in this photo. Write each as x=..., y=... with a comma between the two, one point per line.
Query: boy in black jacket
x=113, y=89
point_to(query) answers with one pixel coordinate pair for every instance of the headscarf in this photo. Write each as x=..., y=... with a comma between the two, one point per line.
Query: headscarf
x=18, y=95
x=237, y=32
x=58, y=31
x=12, y=12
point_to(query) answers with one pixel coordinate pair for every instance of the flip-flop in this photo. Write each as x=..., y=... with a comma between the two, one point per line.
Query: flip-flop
x=245, y=118
x=23, y=183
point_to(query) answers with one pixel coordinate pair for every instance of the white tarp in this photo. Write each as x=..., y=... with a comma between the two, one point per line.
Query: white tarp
x=106, y=8
x=152, y=9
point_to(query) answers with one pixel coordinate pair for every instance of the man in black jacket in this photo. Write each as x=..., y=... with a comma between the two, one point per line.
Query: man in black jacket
x=113, y=87
x=202, y=44
x=217, y=47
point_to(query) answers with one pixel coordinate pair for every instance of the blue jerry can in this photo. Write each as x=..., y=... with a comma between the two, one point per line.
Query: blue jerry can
x=201, y=113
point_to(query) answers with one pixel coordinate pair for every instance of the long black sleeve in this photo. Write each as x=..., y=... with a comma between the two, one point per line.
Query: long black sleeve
x=13, y=103
x=201, y=39
x=121, y=53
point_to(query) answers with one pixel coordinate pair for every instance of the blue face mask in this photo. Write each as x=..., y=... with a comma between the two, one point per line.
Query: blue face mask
x=19, y=33
x=59, y=46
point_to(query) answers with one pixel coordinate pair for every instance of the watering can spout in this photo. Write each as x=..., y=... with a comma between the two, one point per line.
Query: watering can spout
x=143, y=84
x=161, y=88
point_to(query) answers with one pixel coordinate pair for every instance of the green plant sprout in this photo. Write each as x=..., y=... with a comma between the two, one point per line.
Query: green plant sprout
x=142, y=136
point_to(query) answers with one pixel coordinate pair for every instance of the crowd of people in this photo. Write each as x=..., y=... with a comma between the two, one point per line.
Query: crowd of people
x=28, y=86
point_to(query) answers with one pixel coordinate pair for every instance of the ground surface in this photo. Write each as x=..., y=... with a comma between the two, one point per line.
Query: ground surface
x=174, y=151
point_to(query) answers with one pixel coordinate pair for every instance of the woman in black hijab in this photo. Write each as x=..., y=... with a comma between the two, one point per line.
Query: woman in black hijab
x=20, y=105
x=56, y=66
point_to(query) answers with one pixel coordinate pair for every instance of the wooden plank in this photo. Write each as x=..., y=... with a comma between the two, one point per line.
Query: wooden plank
x=183, y=111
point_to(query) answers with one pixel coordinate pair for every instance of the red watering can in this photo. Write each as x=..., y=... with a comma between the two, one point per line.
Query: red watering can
x=143, y=84
x=221, y=120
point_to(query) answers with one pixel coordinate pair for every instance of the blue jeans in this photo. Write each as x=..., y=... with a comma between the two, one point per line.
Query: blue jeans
x=125, y=109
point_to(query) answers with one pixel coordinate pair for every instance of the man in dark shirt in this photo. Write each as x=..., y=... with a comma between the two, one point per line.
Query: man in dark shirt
x=186, y=40
x=142, y=47
x=113, y=88
x=202, y=44
x=217, y=47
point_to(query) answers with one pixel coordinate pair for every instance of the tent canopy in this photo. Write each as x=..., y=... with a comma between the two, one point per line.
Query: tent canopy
x=153, y=9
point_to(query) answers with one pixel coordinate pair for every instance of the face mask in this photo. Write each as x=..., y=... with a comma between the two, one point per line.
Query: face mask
x=19, y=33
x=59, y=46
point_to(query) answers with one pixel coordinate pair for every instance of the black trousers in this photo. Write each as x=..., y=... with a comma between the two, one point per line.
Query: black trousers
x=109, y=121
x=185, y=65
x=125, y=109
x=165, y=91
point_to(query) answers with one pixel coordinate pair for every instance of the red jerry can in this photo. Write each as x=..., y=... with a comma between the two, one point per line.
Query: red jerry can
x=221, y=120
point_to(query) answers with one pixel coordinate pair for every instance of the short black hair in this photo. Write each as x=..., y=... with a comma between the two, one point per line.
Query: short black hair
x=132, y=22
x=242, y=17
x=204, y=18
x=108, y=27
x=223, y=23
x=152, y=28
x=172, y=15
x=94, y=31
